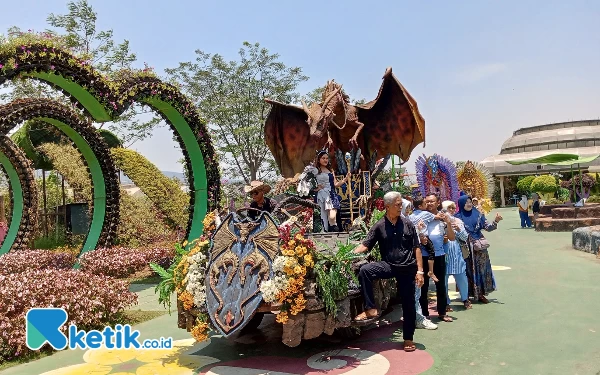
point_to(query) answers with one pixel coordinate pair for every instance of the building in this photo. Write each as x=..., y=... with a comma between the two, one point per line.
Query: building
x=576, y=137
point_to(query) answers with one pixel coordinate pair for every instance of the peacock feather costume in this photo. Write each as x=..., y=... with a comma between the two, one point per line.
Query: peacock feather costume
x=437, y=175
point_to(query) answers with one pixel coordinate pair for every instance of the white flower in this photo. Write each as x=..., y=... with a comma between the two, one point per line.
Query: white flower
x=278, y=264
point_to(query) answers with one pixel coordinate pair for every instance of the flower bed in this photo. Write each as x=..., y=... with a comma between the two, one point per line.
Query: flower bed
x=27, y=260
x=91, y=302
x=122, y=262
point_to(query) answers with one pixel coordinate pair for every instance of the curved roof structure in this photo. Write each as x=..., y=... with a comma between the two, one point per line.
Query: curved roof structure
x=577, y=137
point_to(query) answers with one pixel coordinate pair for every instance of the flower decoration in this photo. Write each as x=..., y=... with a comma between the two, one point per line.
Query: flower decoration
x=177, y=360
x=286, y=288
x=31, y=56
x=188, y=277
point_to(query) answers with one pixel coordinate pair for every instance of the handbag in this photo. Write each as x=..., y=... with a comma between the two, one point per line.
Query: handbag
x=464, y=248
x=481, y=243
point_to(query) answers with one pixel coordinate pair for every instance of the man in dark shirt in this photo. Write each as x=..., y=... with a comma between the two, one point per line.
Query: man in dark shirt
x=400, y=258
x=258, y=189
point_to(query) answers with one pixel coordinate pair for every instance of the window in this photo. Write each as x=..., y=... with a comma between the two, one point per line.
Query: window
x=552, y=146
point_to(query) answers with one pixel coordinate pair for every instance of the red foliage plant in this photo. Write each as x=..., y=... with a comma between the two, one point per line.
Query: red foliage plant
x=122, y=262
x=23, y=260
x=91, y=302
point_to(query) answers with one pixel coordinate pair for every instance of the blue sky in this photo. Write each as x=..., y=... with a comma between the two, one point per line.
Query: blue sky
x=478, y=70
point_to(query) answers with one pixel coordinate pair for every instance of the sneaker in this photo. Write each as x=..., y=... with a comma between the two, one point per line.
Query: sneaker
x=427, y=324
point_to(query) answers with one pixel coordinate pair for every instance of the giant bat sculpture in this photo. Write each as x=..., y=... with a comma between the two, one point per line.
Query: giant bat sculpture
x=390, y=124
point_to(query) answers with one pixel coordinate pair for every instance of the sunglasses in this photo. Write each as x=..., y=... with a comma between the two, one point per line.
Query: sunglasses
x=254, y=193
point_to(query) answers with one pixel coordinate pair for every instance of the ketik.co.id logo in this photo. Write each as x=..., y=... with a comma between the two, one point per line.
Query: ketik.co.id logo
x=43, y=326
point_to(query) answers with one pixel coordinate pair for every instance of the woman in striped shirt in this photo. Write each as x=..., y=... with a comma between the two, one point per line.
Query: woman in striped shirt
x=455, y=263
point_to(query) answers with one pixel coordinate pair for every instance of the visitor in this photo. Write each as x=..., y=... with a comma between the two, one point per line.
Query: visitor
x=400, y=258
x=421, y=321
x=536, y=207
x=455, y=262
x=524, y=212
x=436, y=230
x=479, y=267
x=257, y=190
x=326, y=196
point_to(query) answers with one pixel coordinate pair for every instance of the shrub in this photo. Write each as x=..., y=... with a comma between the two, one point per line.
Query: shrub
x=122, y=262
x=524, y=184
x=140, y=223
x=164, y=192
x=91, y=302
x=24, y=260
x=555, y=201
x=593, y=199
x=544, y=184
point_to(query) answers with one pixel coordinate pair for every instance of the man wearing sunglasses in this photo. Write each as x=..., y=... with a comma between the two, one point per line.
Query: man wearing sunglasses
x=257, y=190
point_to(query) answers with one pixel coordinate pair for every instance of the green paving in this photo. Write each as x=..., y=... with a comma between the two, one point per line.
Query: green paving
x=541, y=320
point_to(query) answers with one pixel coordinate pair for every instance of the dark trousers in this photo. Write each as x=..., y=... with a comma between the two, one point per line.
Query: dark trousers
x=439, y=269
x=406, y=291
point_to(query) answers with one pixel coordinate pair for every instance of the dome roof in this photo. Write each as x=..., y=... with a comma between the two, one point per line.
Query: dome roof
x=577, y=137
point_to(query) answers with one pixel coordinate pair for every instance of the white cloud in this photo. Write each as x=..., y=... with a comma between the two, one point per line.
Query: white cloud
x=476, y=73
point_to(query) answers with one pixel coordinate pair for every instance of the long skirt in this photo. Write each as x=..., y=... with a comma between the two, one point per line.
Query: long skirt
x=479, y=273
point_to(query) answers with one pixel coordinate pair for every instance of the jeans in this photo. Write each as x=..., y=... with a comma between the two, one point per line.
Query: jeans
x=525, y=220
x=420, y=317
x=405, y=283
x=463, y=286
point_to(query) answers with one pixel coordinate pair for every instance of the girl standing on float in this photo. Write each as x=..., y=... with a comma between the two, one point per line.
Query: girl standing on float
x=326, y=196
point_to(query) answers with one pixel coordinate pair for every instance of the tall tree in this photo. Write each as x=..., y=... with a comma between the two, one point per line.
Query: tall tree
x=76, y=31
x=230, y=95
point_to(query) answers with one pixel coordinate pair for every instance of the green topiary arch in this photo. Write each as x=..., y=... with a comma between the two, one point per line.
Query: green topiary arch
x=23, y=195
x=105, y=216
x=105, y=100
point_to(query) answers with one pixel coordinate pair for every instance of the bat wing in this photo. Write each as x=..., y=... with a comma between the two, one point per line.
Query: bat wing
x=287, y=136
x=393, y=124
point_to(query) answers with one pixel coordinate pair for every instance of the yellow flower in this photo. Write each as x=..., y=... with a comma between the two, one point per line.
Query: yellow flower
x=282, y=317
x=299, y=270
x=291, y=243
x=177, y=360
x=308, y=260
x=187, y=299
x=300, y=251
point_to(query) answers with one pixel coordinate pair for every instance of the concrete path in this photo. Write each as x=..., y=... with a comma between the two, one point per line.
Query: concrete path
x=541, y=320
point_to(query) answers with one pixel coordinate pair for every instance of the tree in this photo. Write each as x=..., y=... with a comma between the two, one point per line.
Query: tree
x=524, y=184
x=230, y=95
x=76, y=31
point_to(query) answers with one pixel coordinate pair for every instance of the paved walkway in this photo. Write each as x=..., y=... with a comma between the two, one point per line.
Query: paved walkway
x=542, y=320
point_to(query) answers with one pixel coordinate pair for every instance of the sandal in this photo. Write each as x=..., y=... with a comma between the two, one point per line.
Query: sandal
x=446, y=318
x=410, y=346
x=468, y=305
x=449, y=309
x=363, y=316
x=482, y=299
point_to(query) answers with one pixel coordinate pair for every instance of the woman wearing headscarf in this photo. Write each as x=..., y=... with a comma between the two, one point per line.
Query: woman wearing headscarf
x=524, y=212
x=455, y=262
x=479, y=267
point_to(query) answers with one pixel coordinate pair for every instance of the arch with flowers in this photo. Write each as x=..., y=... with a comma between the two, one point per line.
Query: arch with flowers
x=102, y=100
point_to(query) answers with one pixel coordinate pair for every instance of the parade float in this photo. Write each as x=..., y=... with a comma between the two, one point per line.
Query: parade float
x=283, y=263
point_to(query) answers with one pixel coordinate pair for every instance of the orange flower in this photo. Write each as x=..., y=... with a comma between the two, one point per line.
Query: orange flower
x=200, y=331
x=282, y=317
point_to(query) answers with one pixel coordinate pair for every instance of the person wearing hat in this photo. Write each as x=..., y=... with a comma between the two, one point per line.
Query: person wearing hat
x=258, y=189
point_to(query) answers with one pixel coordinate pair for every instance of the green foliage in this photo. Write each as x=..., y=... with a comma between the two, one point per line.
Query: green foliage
x=169, y=278
x=140, y=223
x=56, y=238
x=555, y=201
x=564, y=194
x=110, y=138
x=544, y=184
x=593, y=199
x=164, y=192
x=68, y=161
x=231, y=95
x=333, y=274
x=524, y=184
